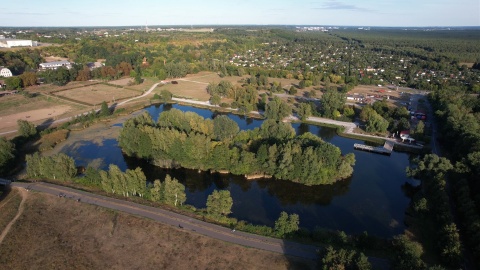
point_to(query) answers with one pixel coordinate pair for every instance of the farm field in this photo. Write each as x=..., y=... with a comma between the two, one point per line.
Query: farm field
x=118, y=241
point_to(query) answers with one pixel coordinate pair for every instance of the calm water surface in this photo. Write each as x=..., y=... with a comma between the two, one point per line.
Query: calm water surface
x=371, y=200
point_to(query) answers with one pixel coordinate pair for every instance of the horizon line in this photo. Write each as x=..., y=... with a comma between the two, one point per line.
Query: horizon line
x=223, y=25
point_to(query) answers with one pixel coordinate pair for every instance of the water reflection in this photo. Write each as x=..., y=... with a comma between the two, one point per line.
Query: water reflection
x=373, y=199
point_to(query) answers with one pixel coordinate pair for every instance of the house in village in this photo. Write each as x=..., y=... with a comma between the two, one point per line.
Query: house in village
x=405, y=136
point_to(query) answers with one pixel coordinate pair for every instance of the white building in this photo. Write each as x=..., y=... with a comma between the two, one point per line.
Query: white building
x=10, y=43
x=5, y=72
x=55, y=65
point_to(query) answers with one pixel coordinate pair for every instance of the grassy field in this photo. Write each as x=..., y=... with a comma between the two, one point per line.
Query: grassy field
x=96, y=94
x=8, y=208
x=58, y=233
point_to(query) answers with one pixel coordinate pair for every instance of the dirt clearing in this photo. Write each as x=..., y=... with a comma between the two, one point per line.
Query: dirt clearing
x=57, y=233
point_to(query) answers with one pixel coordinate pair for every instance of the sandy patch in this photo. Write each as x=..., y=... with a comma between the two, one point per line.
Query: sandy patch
x=52, y=113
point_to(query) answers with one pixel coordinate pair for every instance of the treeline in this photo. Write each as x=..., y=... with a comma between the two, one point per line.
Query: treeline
x=167, y=191
x=245, y=97
x=187, y=140
x=432, y=204
x=458, y=115
x=21, y=61
x=58, y=167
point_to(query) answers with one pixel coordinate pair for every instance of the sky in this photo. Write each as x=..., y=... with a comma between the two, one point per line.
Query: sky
x=394, y=13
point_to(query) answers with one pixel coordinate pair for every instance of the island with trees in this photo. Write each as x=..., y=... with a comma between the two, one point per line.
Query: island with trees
x=188, y=140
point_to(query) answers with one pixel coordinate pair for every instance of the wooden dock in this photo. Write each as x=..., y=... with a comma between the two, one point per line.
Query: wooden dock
x=386, y=149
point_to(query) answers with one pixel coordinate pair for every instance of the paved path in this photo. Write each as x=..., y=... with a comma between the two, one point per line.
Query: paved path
x=177, y=220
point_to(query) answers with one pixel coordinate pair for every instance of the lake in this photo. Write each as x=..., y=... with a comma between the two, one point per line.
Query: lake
x=371, y=200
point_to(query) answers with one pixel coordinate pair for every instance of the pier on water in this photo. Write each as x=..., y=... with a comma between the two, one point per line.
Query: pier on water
x=386, y=149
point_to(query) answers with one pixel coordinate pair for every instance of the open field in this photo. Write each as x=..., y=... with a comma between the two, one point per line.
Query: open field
x=53, y=88
x=8, y=208
x=61, y=233
x=145, y=85
x=36, y=110
x=96, y=94
x=121, y=82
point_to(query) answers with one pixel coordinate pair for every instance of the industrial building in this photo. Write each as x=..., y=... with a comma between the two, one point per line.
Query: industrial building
x=10, y=43
x=55, y=65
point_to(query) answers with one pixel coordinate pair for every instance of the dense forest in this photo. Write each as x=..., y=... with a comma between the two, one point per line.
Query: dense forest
x=187, y=140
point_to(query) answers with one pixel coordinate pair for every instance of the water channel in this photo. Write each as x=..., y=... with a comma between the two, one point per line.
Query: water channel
x=371, y=200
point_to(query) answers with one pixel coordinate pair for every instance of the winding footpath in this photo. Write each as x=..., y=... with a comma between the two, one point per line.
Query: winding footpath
x=21, y=207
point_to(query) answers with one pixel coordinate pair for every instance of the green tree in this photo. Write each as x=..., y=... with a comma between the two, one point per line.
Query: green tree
x=26, y=129
x=286, y=224
x=7, y=155
x=138, y=76
x=304, y=111
x=420, y=128
x=174, y=192
x=219, y=203
x=344, y=259
x=215, y=100
x=331, y=101
x=104, y=110
x=166, y=96
x=292, y=90
x=61, y=76
x=224, y=128
x=156, y=192
x=430, y=166
x=64, y=166
x=408, y=254
x=162, y=74
x=13, y=83
x=33, y=165
x=277, y=109
x=376, y=123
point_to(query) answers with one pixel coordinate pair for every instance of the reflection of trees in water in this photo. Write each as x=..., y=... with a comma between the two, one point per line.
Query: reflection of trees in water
x=287, y=192
x=303, y=128
x=194, y=181
x=327, y=134
x=95, y=153
x=292, y=193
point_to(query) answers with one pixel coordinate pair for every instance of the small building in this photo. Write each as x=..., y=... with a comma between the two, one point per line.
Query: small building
x=5, y=72
x=55, y=65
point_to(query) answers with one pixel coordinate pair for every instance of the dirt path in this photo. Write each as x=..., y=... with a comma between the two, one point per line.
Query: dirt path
x=24, y=195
